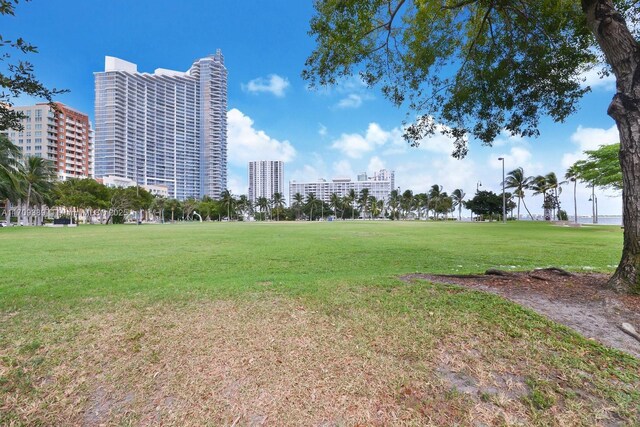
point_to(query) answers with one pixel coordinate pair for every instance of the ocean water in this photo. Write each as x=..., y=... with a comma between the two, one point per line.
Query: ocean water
x=602, y=219
x=587, y=220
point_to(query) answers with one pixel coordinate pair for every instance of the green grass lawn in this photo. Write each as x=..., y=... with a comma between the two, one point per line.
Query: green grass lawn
x=123, y=324
x=67, y=266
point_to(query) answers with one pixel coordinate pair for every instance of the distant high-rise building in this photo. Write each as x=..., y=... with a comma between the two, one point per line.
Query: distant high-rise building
x=61, y=135
x=168, y=128
x=266, y=177
x=379, y=186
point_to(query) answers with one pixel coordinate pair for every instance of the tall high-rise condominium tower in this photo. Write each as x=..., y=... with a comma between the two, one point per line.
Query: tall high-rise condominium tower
x=266, y=177
x=168, y=128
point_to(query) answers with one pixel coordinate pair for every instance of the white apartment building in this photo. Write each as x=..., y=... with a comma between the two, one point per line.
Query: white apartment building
x=117, y=182
x=165, y=129
x=266, y=177
x=379, y=186
x=61, y=135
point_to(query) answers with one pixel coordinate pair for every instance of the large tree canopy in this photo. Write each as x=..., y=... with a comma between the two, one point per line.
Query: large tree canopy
x=477, y=67
x=473, y=68
x=601, y=168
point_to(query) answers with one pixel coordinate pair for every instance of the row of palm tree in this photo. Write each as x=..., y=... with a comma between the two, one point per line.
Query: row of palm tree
x=547, y=185
x=435, y=203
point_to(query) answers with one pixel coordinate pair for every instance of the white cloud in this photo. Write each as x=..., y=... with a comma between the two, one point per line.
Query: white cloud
x=593, y=79
x=505, y=138
x=322, y=130
x=446, y=171
x=433, y=143
x=309, y=173
x=236, y=184
x=273, y=84
x=352, y=84
x=351, y=101
x=352, y=90
x=355, y=145
x=515, y=158
x=245, y=143
x=589, y=139
x=343, y=169
x=375, y=164
x=436, y=143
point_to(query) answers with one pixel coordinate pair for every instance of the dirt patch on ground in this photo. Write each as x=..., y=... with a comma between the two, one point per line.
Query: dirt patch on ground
x=579, y=301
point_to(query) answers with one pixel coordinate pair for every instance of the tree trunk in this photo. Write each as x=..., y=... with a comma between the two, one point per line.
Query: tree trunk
x=622, y=52
x=7, y=211
x=525, y=206
x=519, y=199
x=627, y=275
x=27, y=212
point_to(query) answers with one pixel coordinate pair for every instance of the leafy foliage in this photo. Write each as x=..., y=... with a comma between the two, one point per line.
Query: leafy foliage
x=601, y=168
x=469, y=67
x=486, y=203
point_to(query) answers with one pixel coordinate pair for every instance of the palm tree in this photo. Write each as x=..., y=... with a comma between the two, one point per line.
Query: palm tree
x=421, y=203
x=445, y=204
x=381, y=206
x=351, y=198
x=244, y=205
x=376, y=206
x=312, y=201
x=9, y=167
x=517, y=181
x=228, y=202
x=458, y=196
x=572, y=176
x=173, y=205
x=373, y=207
x=277, y=201
x=263, y=204
x=555, y=188
x=159, y=203
x=539, y=186
x=335, y=202
x=394, y=203
x=407, y=202
x=37, y=176
x=435, y=194
x=298, y=201
x=364, y=201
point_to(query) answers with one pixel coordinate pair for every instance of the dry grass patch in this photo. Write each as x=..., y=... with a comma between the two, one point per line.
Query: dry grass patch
x=267, y=362
x=277, y=361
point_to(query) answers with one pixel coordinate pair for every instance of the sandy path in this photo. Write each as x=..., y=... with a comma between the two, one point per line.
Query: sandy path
x=579, y=301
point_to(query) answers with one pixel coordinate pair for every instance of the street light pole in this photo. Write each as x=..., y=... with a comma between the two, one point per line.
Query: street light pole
x=504, y=199
x=593, y=204
x=478, y=185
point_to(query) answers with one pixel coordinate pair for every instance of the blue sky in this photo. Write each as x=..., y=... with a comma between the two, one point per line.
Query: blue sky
x=340, y=131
